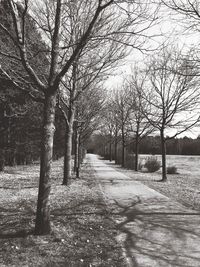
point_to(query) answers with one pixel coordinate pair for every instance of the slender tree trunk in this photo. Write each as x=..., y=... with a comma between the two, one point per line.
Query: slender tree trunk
x=123, y=154
x=106, y=153
x=115, y=150
x=42, y=225
x=123, y=149
x=67, y=155
x=80, y=156
x=136, y=151
x=80, y=151
x=163, y=151
x=75, y=150
x=110, y=148
x=76, y=158
x=2, y=160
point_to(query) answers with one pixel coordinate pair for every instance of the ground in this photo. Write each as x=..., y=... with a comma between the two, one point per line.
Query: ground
x=95, y=219
x=155, y=230
x=83, y=232
x=183, y=187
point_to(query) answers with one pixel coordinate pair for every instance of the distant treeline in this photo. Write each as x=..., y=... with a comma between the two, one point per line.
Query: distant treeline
x=177, y=146
x=148, y=145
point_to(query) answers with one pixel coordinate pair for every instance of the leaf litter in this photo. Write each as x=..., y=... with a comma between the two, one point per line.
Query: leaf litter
x=83, y=233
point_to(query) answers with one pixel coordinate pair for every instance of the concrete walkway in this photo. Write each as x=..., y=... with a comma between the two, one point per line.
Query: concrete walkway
x=154, y=230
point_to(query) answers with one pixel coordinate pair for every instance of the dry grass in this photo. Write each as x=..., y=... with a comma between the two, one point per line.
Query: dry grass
x=83, y=232
x=185, y=164
x=183, y=187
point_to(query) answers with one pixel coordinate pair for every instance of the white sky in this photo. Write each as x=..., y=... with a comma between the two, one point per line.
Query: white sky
x=169, y=31
x=172, y=33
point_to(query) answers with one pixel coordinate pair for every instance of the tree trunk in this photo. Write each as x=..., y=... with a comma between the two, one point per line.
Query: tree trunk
x=75, y=150
x=68, y=155
x=136, y=152
x=110, y=148
x=123, y=152
x=2, y=160
x=80, y=152
x=116, y=151
x=42, y=225
x=12, y=158
x=123, y=147
x=76, y=156
x=163, y=151
x=80, y=156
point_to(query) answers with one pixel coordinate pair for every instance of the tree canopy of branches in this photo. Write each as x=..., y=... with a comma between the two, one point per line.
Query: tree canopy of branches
x=173, y=97
x=139, y=123
x=190, y=10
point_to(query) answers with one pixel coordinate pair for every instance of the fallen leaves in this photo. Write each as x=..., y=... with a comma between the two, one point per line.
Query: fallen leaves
x=82, y=235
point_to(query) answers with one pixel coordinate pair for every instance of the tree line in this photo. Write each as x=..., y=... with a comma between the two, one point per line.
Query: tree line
x=149, y=145
x=54, y=58
x=161, y=96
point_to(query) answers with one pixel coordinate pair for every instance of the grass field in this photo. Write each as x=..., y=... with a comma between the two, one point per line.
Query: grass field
x=183, y=187
x=189, y=165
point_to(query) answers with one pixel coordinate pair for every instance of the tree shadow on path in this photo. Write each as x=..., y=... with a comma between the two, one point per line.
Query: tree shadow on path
x=158, y=238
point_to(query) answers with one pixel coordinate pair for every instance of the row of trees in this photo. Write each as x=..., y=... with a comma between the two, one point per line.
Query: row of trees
x=100, y=144
x=57, y=53
x=161, y=97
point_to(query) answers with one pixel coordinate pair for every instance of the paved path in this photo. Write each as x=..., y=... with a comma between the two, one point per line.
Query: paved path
x=155, y=231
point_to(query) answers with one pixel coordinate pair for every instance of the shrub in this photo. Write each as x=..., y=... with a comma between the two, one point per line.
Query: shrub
x=152, y=164
x=171, y=170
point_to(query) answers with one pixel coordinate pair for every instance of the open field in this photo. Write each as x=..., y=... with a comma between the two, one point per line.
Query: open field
x=83, y=232
x=183, y=187
x=189, y=165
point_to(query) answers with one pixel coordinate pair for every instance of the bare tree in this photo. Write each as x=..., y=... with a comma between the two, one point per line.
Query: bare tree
x=109, y=127
x=140, y=125
x=66, y=103
x=88, y=112
x=123, y=112
x=173, y=97
x=91, y=67
x=78, y=85
x=108, y=122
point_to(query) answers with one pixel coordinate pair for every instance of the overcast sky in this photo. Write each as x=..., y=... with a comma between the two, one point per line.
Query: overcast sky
x=169, y=31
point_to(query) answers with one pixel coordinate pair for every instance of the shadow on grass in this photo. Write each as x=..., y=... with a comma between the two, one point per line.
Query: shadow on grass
x=83, y=234
x=93, y=233
x=16, y=219
x=17, y=234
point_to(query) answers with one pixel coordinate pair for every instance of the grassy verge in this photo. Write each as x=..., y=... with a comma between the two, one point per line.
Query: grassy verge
x=83, y=232
x=183, y=188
